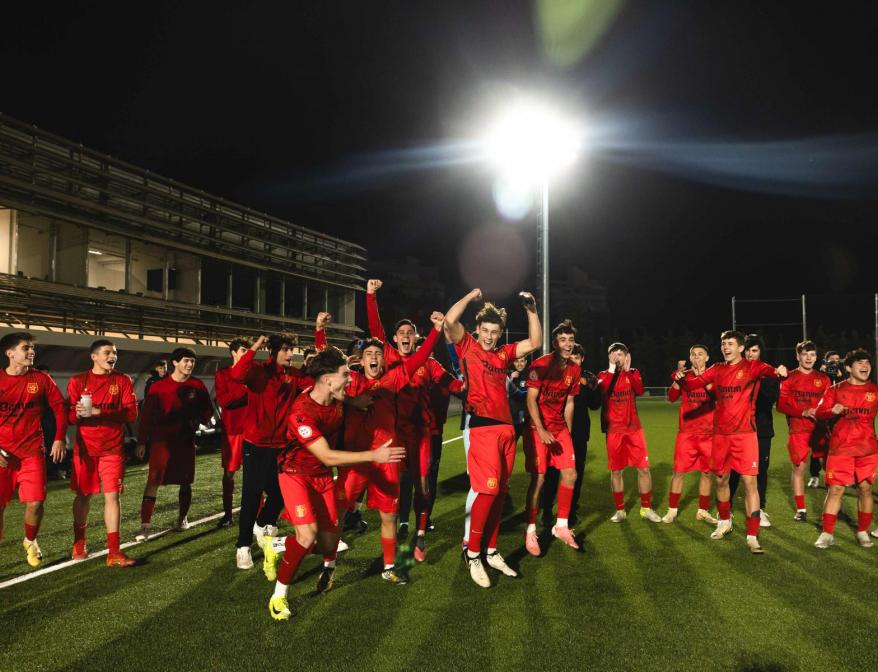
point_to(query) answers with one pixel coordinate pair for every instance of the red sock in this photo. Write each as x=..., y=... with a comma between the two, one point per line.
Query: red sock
x=228, y=492
x=478, y=520
x=532, y=515
x=79, y=533
x=674, y=500
x=704, y=502
x=620, y=500
x=30, y=531
x=185, y=500
x=800, y=502
x=565, y=499
x=753, y=525
x=724, y=509
x=113, y=542
x=147, y=506
x=865, y=521
x=289, y=564
x=494, y=519
x=829, y=520
x=646, y=500
x=388, y=550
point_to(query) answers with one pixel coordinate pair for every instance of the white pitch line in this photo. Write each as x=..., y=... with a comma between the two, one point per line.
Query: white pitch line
x=100, y=554
x=454, y=439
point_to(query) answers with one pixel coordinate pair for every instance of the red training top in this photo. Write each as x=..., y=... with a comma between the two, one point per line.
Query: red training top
x=172, y=412
x=485, y=372
x=555, y=382
x=22, y=402
x=853, y=433
x=113, y=394
x=307, y=422
x=621, y=405
x=696, y=409
x=799, y=392
x=231, y=397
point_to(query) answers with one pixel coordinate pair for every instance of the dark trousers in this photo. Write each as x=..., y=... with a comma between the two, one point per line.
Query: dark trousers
x=814, y=467
x=260, y=475
x=550, y=486
x=407, y=483
x=433, y=473
x=762, y=477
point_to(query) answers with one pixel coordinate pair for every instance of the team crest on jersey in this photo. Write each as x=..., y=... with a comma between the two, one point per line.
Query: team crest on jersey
x=421, y=371
x=190, y=395
x=739, y=375
x=502, y=355
x=301, y=510
x=818, y=382
x=533, y=376
x=114, y=389
x=492, y=484
x=305, y=432
x=33, y=388
x=870, y=396
x=568, y=380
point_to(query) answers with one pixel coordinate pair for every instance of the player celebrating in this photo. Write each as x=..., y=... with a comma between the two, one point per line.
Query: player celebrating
x=799, y=395
x=306, y=475
x=692, y=449
x=851, y=405
x=620, y=386
x=491, y=455
x=172, y=411
x=373, y=428
x=734, y=430
x=231, y=397
x=552, y=383
x=24, y=395
x=101, y=401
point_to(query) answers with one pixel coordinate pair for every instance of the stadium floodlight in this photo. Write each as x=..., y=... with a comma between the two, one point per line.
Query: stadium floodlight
x=529, y=144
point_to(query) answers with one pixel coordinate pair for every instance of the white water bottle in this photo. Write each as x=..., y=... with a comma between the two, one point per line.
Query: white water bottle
x=85, y=400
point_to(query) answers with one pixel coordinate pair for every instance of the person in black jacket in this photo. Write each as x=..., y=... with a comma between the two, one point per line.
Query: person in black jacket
x=766, y=397
x=516, y=389
x=589, y=397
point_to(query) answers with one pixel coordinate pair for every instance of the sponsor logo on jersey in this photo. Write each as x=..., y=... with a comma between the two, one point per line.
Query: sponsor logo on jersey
x=301, y=510
x=492, y=484
x=305, y=432
x=114, y=389
x=33, y=388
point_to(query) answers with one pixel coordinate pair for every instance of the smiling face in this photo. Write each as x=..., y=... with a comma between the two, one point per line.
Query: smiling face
x=104, y=359
x=406, y=338
x=564, y=345
x=337, y=382
x=807, y=359
x=519, y=363
x=184, y=367
x=860, y=371
x=373, y=362
x=732, y=350
x=489, y=335
x=22, y=354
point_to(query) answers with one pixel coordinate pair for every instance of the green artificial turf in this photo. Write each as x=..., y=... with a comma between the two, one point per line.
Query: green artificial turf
x=641, y=596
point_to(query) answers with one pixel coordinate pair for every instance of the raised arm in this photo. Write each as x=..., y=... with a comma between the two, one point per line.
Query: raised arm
x=323, y=320
x=240, y=371
x=376, y=329
x=534, y=340
x=454, y=330
x=422, y=354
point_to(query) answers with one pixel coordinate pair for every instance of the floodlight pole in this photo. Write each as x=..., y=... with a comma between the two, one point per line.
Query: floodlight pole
x=543, y=240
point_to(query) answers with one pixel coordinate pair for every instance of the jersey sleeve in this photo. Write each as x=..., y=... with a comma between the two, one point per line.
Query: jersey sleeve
x=824, y=406
x=636, y=382
x=464, y=346
x=303, y=428
x=148, y=415
x=56, y=402
x=535, y=375
x=73, y=395
x=376, y=329
x=510, y=349
x=422, y=354
x=695, y=382
x=245, y=370
x=225, y=396
x=785, y=403
x=320, y=341
x=674, y=393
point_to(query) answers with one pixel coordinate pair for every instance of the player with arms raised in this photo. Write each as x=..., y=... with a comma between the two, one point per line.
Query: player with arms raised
x=491, y=454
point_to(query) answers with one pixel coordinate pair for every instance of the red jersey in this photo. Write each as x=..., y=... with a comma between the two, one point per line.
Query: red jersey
x=696, y=408
x=22, y=402
x=172, y=411
x=853, y=433
x=799, y=392
x=555, y=382
x=485, y=372
x=309, y=421
x=271, y=390
x=113, y=394
x=735, y=387
x=620, y=404
x=231, y=397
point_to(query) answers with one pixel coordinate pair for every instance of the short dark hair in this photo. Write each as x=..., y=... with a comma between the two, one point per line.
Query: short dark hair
x=238, y=343
x=309, y=351
x=180, y=353
x=856, y=356
x=372, y=343
x=403, y=323
x=754, y=340
x=734, y=334
x=160, y=362
x=326, y=361
x=278, y=341
x=698, y=345
x=100, y=343
x=12, y=340
x=491, y=313
x=565, y=327
x=617, y=346
x=806, y=346
x=831, y=353
x=578, y=350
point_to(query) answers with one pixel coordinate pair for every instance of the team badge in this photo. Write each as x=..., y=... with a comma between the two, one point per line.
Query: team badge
x=739, y=375
x=190, y=395
x=818, y=382
x=114, y=389
x=492, y=484
x=533, y=376
x=568, y=380
x=421, y=372
x=870, y=396
x=33, y=388
x=305, y=432
x=502, y=355
x=301, y=510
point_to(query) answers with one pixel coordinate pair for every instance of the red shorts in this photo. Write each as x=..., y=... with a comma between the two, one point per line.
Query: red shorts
x=538, y=456
x=309, y=499
x=735, y=451
x=232, y=446
x=490, y=458
x=171, y=465
x=90, y=472
x=850, y=470
x=28, y=474
x=627, y=450
x=692, y=453
x=417, y=450
x=799, y=446
x=382, y=481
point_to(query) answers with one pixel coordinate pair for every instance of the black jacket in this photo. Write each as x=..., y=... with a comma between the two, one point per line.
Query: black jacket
x=769, y=389
x=588, y=398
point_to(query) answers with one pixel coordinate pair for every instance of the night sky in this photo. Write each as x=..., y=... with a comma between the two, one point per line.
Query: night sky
x=736, y=153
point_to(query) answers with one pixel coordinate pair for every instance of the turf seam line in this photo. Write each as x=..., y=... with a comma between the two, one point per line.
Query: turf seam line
x=100, y=554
